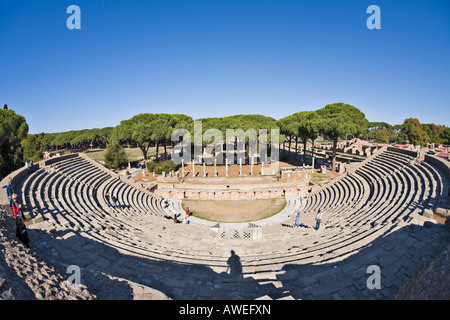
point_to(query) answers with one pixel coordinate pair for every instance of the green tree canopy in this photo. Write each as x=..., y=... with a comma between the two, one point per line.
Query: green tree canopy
x=339, y=120
x=33, y=148
x=333, y=122
x=115, y=157
x=146, y=129
x=13, y=129
x=434, y=132
x=309, y=128
x=413, y=131
x=381, y=136
x=289, y=127
x=445, y=135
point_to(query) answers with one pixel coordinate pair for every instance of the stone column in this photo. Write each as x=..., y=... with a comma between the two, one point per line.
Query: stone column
x=240, y=166
x=204, y=169
x=215, y=169
x=182, y=168
x=226, y=167
x=193, y=167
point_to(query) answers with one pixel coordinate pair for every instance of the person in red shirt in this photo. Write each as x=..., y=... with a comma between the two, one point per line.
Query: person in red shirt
x=187, y=212
x=17, y=208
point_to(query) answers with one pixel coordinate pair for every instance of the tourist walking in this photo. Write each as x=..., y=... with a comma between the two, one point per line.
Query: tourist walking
x=175, y=214
x=187, y=212
x=166, y=204
x=27, y=166
x=319, y=219
x=114, y=201
x=107, y=197
x=9, y=190
x=16, y=206
x=297, y=220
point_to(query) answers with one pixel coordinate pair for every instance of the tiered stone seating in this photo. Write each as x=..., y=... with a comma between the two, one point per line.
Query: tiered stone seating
x=385, y=190
x=68, y=199
x=71, y=193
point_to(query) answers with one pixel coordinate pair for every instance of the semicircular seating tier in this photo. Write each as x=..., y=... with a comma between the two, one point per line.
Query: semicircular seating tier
x=74, y=225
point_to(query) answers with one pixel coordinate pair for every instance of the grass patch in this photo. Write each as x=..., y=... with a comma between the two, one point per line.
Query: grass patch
x=320, y=178
x=133, y=154
x=234, y=211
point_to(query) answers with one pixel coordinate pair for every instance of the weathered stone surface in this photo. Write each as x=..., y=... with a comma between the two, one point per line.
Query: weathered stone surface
x=430, y=282
x=428, y=213
x=442, y=212
x=447, y=224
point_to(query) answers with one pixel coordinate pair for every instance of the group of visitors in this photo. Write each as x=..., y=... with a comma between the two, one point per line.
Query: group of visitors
x=176, y=216
x=29, y=166
x=166, y=204
x=21, y=229
x=188, y=214
x=113, y=200
x=318, y=219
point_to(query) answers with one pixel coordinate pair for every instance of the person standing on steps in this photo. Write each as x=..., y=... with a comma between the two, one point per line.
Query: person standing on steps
x=27, y=166
x=319, y=219
x=16, y=206
x=114, y=201
x=107, y=197
x=297, y=220
x=9, y=190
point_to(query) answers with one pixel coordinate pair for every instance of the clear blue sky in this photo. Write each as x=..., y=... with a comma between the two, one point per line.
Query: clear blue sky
x=216, y=58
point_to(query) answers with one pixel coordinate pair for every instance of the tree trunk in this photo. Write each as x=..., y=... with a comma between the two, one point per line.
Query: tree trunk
x=333, y=162
x=289, y=148
x=144, y=152
x=165, y=150
x=304, y=150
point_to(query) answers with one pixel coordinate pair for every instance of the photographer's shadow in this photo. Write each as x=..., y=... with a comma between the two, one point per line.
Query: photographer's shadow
x=234, y=265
